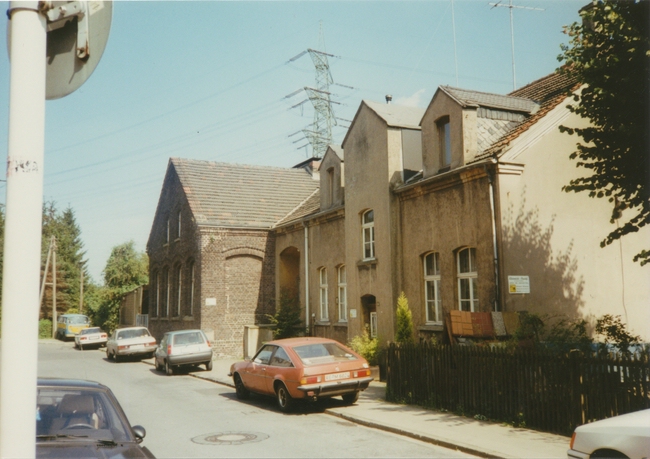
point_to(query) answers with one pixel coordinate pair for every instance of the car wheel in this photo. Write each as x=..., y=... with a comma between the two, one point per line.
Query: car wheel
x=109, y=356
x=81, y=347
x=349, y=399
x=285, y=401
x=168, y=369
x=157, y=365
x=208, y=366
x=240, y=389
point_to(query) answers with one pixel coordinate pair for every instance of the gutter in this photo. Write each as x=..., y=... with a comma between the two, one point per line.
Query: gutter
x=489, y=173
x=307, y=315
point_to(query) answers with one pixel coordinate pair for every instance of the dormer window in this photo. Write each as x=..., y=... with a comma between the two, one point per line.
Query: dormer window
x=444, y=141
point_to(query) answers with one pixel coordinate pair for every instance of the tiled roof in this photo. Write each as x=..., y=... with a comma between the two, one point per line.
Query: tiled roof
x=489, y=131
x=222, y=194
x=549, y=92
x=397, y=115
x=309, y=206
x=498, y=101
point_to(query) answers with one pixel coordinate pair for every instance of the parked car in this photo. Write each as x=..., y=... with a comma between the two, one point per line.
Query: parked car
x=130, y=341
x=68, y=325
x=624, y=436
x=302, y=369
x=77, y=418
x=93, y=336
x=183, y=348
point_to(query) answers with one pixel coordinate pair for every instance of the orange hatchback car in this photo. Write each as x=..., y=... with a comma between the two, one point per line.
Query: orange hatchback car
x=302, y=368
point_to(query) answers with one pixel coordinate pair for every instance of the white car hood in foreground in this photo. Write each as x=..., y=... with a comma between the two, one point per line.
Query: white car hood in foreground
x=628, y=434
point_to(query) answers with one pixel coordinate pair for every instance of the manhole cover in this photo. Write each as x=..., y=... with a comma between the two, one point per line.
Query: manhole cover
x=229, y=438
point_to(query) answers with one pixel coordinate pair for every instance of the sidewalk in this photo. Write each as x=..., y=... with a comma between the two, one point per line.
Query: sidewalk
x=484, y=439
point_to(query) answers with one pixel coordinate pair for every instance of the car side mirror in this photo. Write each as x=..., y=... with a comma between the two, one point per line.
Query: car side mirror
x=139, y=432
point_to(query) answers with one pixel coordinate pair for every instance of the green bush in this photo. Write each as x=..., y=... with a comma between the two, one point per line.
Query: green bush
x=45, y=328
x=366, y=346
x=286, y=319
x=404, y=319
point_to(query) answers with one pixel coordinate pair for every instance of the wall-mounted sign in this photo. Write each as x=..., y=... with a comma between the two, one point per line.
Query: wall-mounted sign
x=210, y=301
x=353, y=313
x=518, y=284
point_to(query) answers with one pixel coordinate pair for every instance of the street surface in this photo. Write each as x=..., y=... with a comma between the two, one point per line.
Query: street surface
x=189, y=417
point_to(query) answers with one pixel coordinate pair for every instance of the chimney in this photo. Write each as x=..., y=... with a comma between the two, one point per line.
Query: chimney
x=388, y=98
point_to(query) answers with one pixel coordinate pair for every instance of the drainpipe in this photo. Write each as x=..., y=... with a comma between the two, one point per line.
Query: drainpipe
x=307, y=316
x=494, y=235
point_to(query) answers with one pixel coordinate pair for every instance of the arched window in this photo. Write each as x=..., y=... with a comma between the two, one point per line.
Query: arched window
x=467, y=280
x=432, y=288
x=368, y=234
x=166, y=287
x=178, y=277
x=324, y=313
x=342, y=294
x=192, y=285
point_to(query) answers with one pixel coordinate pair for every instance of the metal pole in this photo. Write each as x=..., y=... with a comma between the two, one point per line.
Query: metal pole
x=81, y=291
x=512, y=41
x=22, y=245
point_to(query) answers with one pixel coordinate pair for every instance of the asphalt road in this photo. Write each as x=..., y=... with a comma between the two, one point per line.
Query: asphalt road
x=189, y=417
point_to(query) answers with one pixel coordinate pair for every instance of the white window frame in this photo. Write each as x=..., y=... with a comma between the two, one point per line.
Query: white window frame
x=373, y=324
x=368, y=235
x=467, y=281
x=432, y=300
x=324, y=310
x=178, y=233
x=166, y=275
x=343, y=291
x=179, y=287
x=167, y=233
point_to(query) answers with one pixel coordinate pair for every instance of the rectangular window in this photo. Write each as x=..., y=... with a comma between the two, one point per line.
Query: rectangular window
x=444, y=136
x=373, y=324
x=343, y=305
x=368, y=228
x=167, y=233
x=467, y=280
x=168, y=286
x=324, y=314
x=179, y=289
x=432, y=288
x=178, y=230
x=192, y=289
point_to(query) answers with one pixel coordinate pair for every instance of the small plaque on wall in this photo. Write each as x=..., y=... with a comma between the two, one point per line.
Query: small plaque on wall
x=518, y=284
x=210, y=301
x=353, y=313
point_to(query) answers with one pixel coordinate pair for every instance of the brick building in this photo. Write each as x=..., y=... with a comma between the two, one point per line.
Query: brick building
x=459, y=205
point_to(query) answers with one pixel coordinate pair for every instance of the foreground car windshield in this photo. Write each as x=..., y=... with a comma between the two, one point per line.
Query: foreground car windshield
x=126, y=334
x=68, y=413
x=319, y=353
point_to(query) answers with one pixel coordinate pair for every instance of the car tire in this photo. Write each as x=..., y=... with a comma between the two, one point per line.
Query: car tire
x=168, y=369
x=208, y=366
x=284, y=399
x=350, y=399
x=157, y=365
x=240, y=389
x=81, y=347
x=109, y=356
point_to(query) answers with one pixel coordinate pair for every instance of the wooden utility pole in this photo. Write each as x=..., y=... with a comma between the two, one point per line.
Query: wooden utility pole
x=54, y=327
x=81, y=290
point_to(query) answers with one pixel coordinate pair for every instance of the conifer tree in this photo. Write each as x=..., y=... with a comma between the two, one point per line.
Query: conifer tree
x=404, y=334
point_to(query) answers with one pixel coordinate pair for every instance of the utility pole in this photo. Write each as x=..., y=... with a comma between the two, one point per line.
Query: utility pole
x=81, y=290
x=54, y=323
x=510, y=6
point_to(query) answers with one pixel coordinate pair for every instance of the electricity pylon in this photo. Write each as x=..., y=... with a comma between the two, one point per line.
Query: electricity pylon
x=319, y=133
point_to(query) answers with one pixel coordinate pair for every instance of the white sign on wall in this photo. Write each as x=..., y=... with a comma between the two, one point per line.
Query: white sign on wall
x=518, y=284
x=210, y=301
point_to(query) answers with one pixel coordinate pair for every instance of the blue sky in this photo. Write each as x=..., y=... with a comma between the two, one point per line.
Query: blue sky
x=207, y=80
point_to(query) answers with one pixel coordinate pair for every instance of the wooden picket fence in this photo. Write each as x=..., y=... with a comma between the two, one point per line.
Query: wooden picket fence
x=537, y=389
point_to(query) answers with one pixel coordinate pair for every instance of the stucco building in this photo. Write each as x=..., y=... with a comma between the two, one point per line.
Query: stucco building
x=459, y=205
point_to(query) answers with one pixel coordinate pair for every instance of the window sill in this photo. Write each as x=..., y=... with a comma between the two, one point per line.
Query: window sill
x=431, y=327
x=178, y=239
x=188, y=318
x=322, y=323
x=166, y=244
x=341, y=324
x=367, y=263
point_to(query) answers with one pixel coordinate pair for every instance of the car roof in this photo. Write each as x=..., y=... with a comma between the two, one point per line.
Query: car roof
x=291, y=342
x=68, y=315
x=70, y=383
x=131, y=328
x=178, y=332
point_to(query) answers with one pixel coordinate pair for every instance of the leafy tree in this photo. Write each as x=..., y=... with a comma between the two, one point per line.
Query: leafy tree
x=614, y=332
x=287, y=319
x=404, y=318
x=69, y=258
x=610, y=54
x=126, y=269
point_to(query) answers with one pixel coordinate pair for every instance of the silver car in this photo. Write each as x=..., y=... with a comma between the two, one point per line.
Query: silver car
x=181, y=348
x=131, y=341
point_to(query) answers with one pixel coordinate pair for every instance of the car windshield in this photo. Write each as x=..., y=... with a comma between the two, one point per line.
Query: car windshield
x=78, y=413
x=188, y=338
x=135, y=333
x=319, y=353
x=87, y=331
x=78, y=320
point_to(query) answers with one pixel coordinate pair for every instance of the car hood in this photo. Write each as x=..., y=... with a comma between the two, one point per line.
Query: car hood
x=54, y=449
